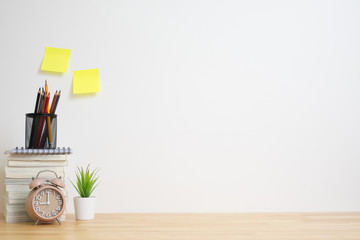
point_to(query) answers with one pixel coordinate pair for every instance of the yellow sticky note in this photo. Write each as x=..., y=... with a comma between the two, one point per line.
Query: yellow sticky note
x=55, y=59
x=86, y=81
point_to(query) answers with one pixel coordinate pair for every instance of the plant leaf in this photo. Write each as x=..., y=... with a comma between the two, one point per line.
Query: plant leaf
x=86, y=181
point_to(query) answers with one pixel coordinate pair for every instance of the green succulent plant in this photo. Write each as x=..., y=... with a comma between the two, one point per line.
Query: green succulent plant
x=86, y=181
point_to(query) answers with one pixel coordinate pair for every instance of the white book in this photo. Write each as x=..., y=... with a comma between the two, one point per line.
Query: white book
x=14, y=201
x=37, y=163
x=16, y=213
x=10, y=218
x=22, y=216
x=17, y=187
x=15, y=207
x=37, y=157
x=20, y=181
x=17, y=195
x=20, y=197
x=29, y=172
x=22, y=200
x=22, y=186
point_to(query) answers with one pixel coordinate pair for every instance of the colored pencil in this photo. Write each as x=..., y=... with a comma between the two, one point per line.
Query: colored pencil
x=42, y=121
x=53, y=102
x=57, y=101
x=46, y=87
x=41, y=130
x=37, y=100
x=33, y=124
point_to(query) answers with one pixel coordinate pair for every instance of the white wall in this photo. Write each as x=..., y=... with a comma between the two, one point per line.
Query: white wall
x=205, y=106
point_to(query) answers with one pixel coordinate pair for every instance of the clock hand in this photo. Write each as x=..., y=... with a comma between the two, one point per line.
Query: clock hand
x=43, y=208
x=47, y=198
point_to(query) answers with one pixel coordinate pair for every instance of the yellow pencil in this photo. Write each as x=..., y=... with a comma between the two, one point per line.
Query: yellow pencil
x=49, y=123
x=46, y=87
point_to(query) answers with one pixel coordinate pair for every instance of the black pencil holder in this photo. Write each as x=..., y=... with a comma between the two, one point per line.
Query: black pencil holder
x=40, y=130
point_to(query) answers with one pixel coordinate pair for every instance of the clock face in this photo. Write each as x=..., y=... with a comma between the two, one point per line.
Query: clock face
x=48, y=203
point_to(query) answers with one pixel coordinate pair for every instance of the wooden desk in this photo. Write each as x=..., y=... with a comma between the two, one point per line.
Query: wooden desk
x=274, y=226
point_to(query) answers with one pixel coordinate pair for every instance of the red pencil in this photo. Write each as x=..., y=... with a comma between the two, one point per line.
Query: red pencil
x=56, y=102
x=53, y=102
x=41, y=130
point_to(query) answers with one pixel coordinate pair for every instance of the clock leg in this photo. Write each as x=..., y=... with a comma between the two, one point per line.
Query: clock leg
x=37, y=222
x=58, y=219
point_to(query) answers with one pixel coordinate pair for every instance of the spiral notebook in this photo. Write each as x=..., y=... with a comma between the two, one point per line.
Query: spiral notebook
x=23, y=150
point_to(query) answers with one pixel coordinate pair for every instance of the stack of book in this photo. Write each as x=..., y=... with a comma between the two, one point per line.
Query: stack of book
x=20, y=170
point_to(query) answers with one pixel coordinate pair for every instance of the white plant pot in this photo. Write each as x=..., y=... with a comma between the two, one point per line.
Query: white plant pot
x=84, y=208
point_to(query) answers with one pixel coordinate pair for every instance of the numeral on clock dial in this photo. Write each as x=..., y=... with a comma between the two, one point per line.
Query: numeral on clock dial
x=53, y=213
x=37, y=209
x=36, y=203
x=60, y=202
x=37, y=197
x=58, y=208
x=48, y=214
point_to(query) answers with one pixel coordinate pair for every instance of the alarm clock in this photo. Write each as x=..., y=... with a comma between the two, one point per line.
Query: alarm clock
x=46, y=202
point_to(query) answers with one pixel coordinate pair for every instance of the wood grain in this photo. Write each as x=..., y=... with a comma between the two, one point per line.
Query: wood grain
x=224, y=226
